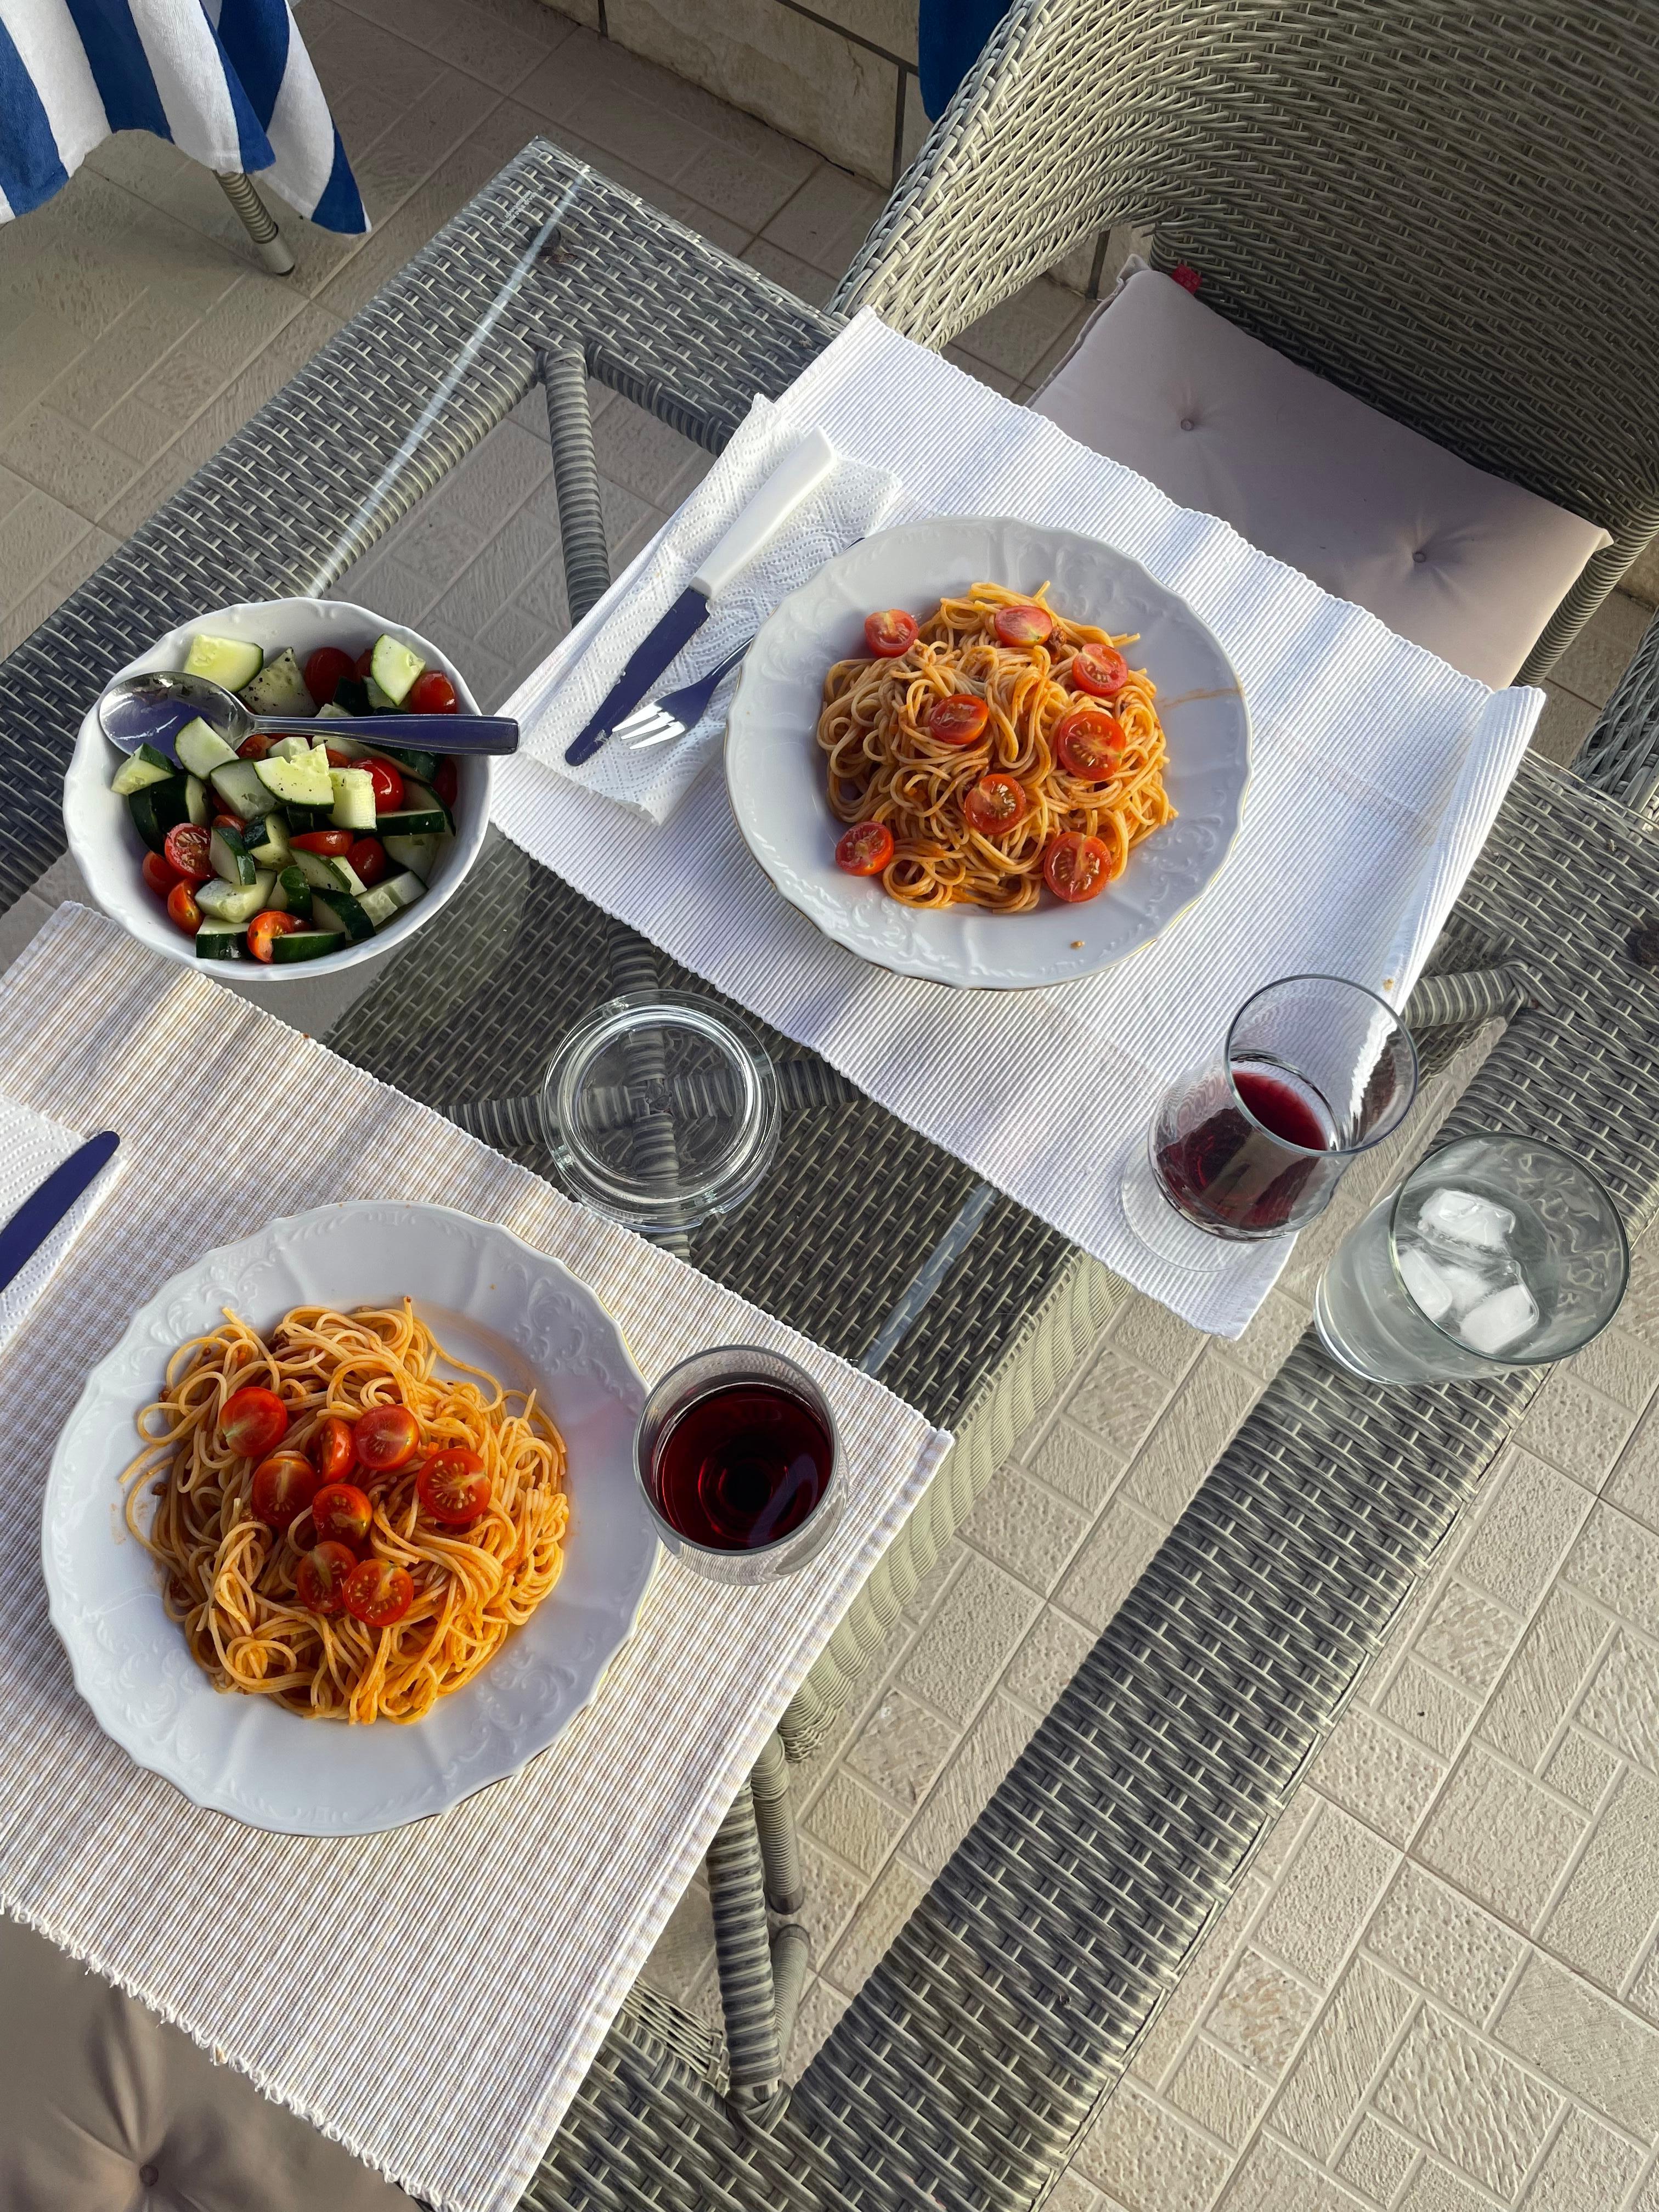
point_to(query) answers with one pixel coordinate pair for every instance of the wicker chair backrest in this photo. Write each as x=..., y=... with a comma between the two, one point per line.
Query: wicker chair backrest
x=1451, y=209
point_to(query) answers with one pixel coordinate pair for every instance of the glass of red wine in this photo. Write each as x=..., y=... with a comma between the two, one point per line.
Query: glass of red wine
x=740, y=1464
x=1313, y=1071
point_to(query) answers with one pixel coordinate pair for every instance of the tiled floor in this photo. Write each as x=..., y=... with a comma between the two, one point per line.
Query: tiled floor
x=1437, y=1992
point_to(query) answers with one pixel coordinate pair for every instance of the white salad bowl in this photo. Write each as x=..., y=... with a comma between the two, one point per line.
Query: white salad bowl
x=110, y=853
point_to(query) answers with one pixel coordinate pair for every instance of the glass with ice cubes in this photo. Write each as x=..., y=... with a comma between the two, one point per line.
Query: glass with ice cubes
x=1495, y=1252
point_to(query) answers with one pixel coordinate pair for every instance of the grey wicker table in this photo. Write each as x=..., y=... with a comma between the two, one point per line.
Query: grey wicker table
x=1006, y=2007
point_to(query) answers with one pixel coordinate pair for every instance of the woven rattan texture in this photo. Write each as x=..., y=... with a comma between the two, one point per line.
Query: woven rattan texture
x=346, y=448
x=1391, y=195
x=1621, y=754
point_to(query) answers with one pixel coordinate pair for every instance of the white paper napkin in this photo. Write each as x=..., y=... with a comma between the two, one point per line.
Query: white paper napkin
x=853, y=500
x=31, y=1146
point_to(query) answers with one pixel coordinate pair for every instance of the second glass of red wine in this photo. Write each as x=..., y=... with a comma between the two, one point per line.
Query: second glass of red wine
x=740, y=1464
x=1313, y=1071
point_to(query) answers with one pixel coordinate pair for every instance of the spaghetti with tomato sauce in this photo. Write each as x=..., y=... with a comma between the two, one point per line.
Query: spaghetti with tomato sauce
x=340, y=1526
x=989, y=750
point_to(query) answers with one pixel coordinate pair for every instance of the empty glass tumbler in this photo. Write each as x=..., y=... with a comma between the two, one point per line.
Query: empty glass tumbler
x=1495, y=1252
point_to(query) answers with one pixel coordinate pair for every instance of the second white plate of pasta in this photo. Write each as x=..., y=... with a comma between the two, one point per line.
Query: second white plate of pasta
x=572, y=1547
x=1115, y=771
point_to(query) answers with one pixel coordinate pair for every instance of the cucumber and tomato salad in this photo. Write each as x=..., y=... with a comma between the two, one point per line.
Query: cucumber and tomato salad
x=291, y=850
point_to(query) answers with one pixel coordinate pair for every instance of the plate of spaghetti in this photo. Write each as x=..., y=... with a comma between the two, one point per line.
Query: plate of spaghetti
x=330, y=1556
x=988, y=753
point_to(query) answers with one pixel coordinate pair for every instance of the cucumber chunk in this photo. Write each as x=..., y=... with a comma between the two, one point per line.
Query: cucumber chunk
x=268, y=842
x=387, y=900
x=291, y=893
x=324, y=874
x=411, y=822
x=158, y=808
x=306, y=782
x=242, y=787
x=352, y=693
x=231, y=661
x=394, y=668
x=354, y=798
x=380, y=703
x=196, y=799
x=411, y=760
x=305, y=944
x=221, y=940
x=235, y=903
x=292, y=747
x=309, y=817
x=133, y=775
x=201, y=749
x=279, y=688
x=340, y=911
x=230, y=858
x=417, y=854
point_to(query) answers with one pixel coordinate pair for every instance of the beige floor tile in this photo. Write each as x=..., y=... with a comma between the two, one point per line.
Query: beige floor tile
x=1563, y=726
x=795, y=275
x=497, y=50
x=38, y=532
x=1592, y=664
x=826, y=221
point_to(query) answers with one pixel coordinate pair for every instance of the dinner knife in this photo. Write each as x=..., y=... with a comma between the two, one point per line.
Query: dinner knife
x=40, y=1213
x=795, y=479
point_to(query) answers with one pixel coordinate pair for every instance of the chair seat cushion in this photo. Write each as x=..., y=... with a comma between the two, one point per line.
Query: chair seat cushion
x=1452, y=558
x=104, y=2108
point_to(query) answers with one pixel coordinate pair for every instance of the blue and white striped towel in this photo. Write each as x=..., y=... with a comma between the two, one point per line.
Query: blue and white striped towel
x=228, y=81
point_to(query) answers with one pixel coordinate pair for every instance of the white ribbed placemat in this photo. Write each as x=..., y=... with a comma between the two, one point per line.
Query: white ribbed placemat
x=437, y=2017
x=31, y=1146
x=1377, y=772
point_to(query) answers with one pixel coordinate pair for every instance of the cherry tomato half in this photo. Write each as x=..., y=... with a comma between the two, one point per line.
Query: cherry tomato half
x=447, y=782
x=157, y=874
x=332, y=1448
x=182, y=909
x=865, y=850
x=1027, y=625
x=890, y=634
x=431, y=693
x=1100, y=669
x=385, y=1437
x=255, y=748
x=333, y=843
x=994, y=803
x=266, y=928
x=1076, y=867
x=187, y=853
x=452, y=1486
x=388, y=785
x=363, y=666
x=341, y=1514
x=958, y=721
x=1089, y=742
x=283, y=1486
x=367, y=857
x=377, y=1593
x=319, y=1579
x=326, y=670
x=254, y=1420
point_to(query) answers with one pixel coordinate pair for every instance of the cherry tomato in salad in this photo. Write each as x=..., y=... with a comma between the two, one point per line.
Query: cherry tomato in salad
x=319, y=1579
x=1076, y=867
x=447, y=782
x=182, y=909
x=1100, y=669
x=994, y=803
x=363, y=664
x=157, y=874
x=325, y=671
x=332, y=1448
x=226, y=821
x=255, y=746
x=253, y=1420
x=333, y=843
x=453, y=1486
x=865, y=850
x=1089, y=742
x=377, y=1593
x=385, y=1437
x=958, y=721
x=1027, y=625
x=431, y=693
x=388, y=785
x=283, y=1486
x=266, y=928
x=341, y=1514
x=367, y=857
x=187, y=852
x=890, y=633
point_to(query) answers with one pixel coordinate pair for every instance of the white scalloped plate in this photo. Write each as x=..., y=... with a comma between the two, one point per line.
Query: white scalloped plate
x=491, y=1299
x=775, y=773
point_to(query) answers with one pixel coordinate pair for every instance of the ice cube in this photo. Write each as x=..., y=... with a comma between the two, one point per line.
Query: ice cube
x=1463, y=1216
x=1499, y=1320
x=1439, y=1286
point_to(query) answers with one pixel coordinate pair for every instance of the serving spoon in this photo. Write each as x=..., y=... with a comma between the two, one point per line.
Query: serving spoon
x=151, y=708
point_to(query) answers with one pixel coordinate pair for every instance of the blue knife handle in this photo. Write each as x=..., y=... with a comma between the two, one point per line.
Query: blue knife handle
x=654, y=653
x=41, y=1211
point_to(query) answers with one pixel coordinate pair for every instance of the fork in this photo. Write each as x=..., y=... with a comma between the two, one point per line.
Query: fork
x=661, y=721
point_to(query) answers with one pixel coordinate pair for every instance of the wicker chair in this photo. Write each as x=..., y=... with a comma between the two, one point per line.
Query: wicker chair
x=1427, y=204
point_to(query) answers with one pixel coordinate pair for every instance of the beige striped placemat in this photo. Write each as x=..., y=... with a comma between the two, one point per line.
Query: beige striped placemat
x=438, y=2016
